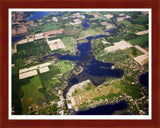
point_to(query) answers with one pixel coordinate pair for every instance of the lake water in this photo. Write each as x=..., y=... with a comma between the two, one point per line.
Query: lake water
x=143, y=79
x=60, y=14
x=17, y=38
x=107, y=109
x=38, y=15
x=96, y=71
x=85, y=24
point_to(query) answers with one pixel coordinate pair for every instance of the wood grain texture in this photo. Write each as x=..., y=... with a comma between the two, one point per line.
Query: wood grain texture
x=6, y=4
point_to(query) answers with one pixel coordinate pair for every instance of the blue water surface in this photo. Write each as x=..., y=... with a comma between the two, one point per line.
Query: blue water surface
x=86, y=23
x=17, y=38
x=143, y=79
x=61, y=14
x=38, y=15
x=107, y=109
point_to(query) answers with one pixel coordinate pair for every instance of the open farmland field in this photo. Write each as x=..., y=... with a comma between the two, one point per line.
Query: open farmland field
x=70, y=31
x=65, y=66
x=89, y=32
x=141, y=41
x=133, y=52
x=142, y=32
x=127, y=23
x=138, y=27
x=50, y=27
x=129, y=89
x=141, y=19
x=30, y=98
x=46, y=78
x=36, y=48
x=99, y=30
x=68, y=41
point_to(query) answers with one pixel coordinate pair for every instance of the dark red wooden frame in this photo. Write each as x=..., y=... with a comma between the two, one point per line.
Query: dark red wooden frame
x=6, y=4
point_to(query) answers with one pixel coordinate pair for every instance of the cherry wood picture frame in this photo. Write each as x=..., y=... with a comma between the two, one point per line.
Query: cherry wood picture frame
x=102, y=4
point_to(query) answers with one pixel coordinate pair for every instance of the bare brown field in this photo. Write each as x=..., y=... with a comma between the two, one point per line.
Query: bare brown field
x=28, y=74
x=142, y=32
x=71, y=31
x=119, y=45
x=34, y=67
x=60, y=31
x=142, y=59
x=43, y=69
x=55, y=44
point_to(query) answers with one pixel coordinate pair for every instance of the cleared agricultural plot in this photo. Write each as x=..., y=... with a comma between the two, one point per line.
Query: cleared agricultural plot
x=142, y=59
x=142, y=32
x=44, y=69
x=71, y=31
x=34, y=67
x=22, y=41
x=108, y=16
x=141, y=49
x=55, y=44
x=53, y=32
x=28, y=74
x=119, y=45
x=76, y=21
x=39, y=36
x=105, y=42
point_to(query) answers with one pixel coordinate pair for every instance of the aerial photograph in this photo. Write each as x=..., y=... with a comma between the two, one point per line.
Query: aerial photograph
x=79, y=62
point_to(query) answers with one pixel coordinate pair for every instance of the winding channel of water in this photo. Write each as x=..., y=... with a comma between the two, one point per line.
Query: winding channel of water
x=96, y=71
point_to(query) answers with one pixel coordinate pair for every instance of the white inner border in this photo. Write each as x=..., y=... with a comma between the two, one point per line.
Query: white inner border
x=76, y=117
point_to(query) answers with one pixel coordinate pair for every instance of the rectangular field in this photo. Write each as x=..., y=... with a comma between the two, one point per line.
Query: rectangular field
x=28, y=74
x=44, y=69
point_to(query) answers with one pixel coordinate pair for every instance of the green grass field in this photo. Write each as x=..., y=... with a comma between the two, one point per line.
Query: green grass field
x=82, y=41
x=47, y=77
x=127, y=23
x=139, y=27
x=89, y=32
x=65, y=66
x=99, y=30
x=141, y=41
x=31, y=93
x=50, y=26
x=133, y=52
x=68, y=41
x=129, y=89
